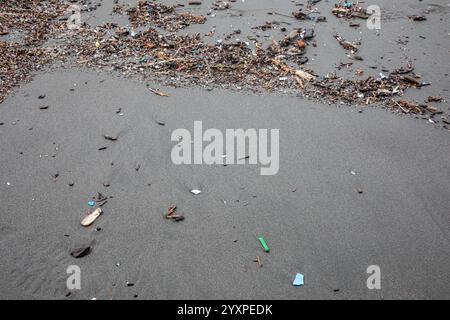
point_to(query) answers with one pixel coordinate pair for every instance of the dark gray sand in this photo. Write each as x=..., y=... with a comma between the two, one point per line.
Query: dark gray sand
x=325, y=229
x=310, y=213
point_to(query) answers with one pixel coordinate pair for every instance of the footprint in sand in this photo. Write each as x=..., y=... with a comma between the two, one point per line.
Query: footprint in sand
x=111, y=174
x=41, y=271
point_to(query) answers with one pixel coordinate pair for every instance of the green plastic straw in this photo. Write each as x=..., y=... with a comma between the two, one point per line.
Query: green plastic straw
x=264, y=244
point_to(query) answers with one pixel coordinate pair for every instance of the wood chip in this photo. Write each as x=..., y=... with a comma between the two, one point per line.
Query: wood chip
x=90, y=219
x=158, y=93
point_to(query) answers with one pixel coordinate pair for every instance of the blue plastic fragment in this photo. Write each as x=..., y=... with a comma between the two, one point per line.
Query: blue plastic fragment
x=348, y=4
x=91, y=203
x=299, y=280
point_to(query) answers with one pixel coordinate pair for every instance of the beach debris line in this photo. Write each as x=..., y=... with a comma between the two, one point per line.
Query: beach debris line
x=193, y=61
x=150, y=49
x=435, y=99
x=303, y=75
x=221, y=5
x=345, y=9
x=162, y=16
x=310, y=14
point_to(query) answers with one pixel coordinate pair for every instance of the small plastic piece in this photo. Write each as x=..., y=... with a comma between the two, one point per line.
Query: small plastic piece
x=264, y=244
x=299, y=280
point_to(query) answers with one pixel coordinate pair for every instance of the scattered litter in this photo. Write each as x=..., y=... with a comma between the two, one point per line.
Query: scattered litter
x=349, y=10
x=221, y=5
x=163, y=16
x=91, y=203
x=433, y=110
x=347, y=45
x=196, y=191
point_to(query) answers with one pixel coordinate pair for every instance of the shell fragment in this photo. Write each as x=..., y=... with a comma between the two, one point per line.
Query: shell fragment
x=89, y=219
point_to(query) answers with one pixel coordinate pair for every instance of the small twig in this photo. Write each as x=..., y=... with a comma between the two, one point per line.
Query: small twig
x=258, y=259
x=159, y=93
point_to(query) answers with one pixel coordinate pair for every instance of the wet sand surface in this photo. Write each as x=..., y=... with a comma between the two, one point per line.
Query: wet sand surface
x=311, y=213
